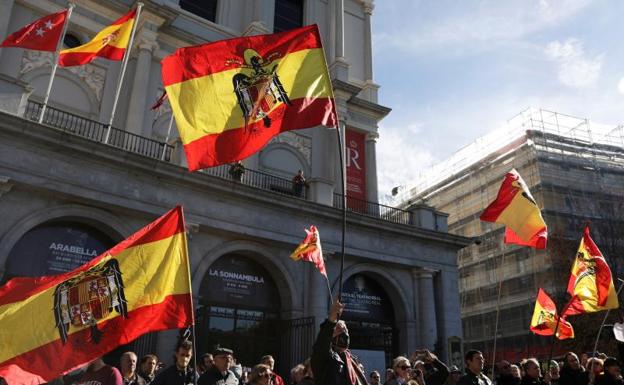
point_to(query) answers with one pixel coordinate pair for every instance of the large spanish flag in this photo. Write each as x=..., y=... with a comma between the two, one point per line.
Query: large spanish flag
x=544, y=320
x=591, y=284
x=110, y=43
x=229, y=98
x=51, y=325
x=516, y=209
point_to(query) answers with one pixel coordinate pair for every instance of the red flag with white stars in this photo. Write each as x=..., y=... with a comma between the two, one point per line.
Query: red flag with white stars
x=41, y=35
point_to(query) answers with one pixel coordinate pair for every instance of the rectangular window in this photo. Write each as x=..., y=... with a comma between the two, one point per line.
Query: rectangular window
x=288, y=15
x=206, y=9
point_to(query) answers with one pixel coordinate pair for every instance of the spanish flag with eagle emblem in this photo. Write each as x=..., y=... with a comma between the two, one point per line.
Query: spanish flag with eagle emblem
x=52, y=325
x=590, y=284
x=515, y=207
x=110, y=43
x=230, y=97
x=544, y=320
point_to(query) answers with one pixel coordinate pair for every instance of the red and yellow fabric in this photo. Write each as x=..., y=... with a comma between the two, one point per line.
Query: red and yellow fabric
x=515, y=207
x=310, y=250
x=110, y=43
x=544, y=321
x=230, y=97
x=591, y=284
x=154, y=270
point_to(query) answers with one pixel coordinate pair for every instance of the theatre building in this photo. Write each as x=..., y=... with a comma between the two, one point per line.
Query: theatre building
x=67, y=194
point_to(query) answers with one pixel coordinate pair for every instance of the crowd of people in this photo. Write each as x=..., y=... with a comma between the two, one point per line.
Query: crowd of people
x=332, y=363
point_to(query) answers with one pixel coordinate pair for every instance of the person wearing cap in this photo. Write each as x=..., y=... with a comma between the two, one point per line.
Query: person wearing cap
x=180, y=373
x=332, y=362
x=611, y=375
x=220, y=373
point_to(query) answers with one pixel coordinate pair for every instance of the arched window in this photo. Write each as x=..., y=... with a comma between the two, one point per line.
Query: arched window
x=71, y=41
x=288, y=15
x=206, y=9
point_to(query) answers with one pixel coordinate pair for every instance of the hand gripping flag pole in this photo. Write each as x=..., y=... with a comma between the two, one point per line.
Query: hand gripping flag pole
x=123, y=71
x=56, y=62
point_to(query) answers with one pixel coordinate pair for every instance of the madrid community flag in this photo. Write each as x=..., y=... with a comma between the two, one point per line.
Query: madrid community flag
x=230, y=97
x=51, y=325
x=516, y=209
x=110, y=43
x=545, y=318
x=591, y=284
x=310, y=250
x=42, y=34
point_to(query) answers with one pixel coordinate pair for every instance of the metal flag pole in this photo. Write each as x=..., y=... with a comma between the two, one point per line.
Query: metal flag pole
x=123, y=71
x=604, y=320
x=167, y=137
x=59, y=45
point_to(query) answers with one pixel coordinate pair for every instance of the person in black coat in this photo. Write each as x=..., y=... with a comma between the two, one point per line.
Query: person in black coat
x=611, y=375
x=220, y=373
x=572, y=372
x=532, y=373
x=332, y=362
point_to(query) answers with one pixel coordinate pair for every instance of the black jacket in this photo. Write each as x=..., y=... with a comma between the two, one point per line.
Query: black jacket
x=436, y=373
x=568, y=376
x=214, y=377
x=329, y=367
x=472, y=379
x=173, y=376
x=607, y=379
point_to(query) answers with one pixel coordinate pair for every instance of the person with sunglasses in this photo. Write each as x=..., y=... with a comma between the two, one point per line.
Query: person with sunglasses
x=402, y=371
x=261, y=374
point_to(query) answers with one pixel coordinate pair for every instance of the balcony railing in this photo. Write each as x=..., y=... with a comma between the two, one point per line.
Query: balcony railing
x=257, y=179
x=373, y=209
x=96, y=131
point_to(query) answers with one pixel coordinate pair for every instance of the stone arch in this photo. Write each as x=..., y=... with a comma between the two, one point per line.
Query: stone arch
x=288, y=152
x=400, y=303
x=261, y=254
x=109, y=224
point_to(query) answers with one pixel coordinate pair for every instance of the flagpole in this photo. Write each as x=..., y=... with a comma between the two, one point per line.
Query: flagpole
x=123, y=71
x=331, y=299
x=167, y=137
x=604, y=320
x=59, y=45
x=554, y=338
x=344, y=203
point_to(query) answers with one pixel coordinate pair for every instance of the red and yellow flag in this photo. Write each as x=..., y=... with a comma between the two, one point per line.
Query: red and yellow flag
x=310, y=250
x=110, y=43
x=51, y=325
x=516, y=209
x=545, y=316
x=229, y=98
x=590, y=285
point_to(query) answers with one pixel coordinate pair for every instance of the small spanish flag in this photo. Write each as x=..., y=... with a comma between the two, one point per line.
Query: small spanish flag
x=110, y=43
x=310, y=250
x=230, y=97
x=52, y=325
x=545, y=316
x=591, y=284
x=517, y=210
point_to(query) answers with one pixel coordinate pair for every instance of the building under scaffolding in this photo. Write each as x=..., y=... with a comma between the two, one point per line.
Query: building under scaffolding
x=575, y=172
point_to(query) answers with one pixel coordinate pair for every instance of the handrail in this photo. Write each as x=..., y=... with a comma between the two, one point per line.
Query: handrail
x=374, y=209
x=96, y=131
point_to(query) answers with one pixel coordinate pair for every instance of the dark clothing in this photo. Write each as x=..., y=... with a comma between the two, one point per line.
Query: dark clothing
x=147, y=378
x=508, y=379
x=307, y=381
x=215, y=377
x=299, y=183
x=328, y=366
x=107, y=375
x=436, y=373
x=137, y=380
x=607, y=379
x=173, y=376
x=568, y=376
x=472, y=379
x=526, y=380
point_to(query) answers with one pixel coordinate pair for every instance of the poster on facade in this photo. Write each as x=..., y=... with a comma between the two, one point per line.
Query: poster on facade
x=356, y=169
x=365, y=300
x=55, y=248
x=238, y=280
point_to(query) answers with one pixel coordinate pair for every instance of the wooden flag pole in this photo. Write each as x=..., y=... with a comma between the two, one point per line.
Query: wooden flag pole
x=59, y=45
x=123, y=71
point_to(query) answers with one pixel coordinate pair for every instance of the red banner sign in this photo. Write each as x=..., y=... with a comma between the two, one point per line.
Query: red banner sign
x=356, y=165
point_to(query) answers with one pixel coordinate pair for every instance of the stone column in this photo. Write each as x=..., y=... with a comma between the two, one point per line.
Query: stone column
x=138, y=96
x=340, y=67
x=371, y=167
x=416, y=304
x=5, y=18
x=428, y=322
x=368, y=40
x=449, y=309
x=322, y=175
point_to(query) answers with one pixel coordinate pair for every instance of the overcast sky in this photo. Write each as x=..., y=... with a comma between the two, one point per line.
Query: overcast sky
x=455, y=70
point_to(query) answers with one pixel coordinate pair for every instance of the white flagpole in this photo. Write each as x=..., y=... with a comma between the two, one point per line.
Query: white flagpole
x=56, y=60
x=167, y=137
x=123, y=70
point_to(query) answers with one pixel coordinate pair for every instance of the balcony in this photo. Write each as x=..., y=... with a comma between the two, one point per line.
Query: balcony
x=97, y=132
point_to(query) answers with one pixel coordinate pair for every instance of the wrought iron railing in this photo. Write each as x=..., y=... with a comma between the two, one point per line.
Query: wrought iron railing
x=257, y=179
x=97, y=131
x=373, y=209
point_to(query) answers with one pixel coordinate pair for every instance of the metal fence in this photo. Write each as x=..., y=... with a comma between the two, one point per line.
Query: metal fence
x=97, y=131
x=257, y=179
x=373, y=209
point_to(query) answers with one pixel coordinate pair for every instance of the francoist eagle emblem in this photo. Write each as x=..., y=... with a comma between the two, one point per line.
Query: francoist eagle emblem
x=260, y=90
x=89, y=297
